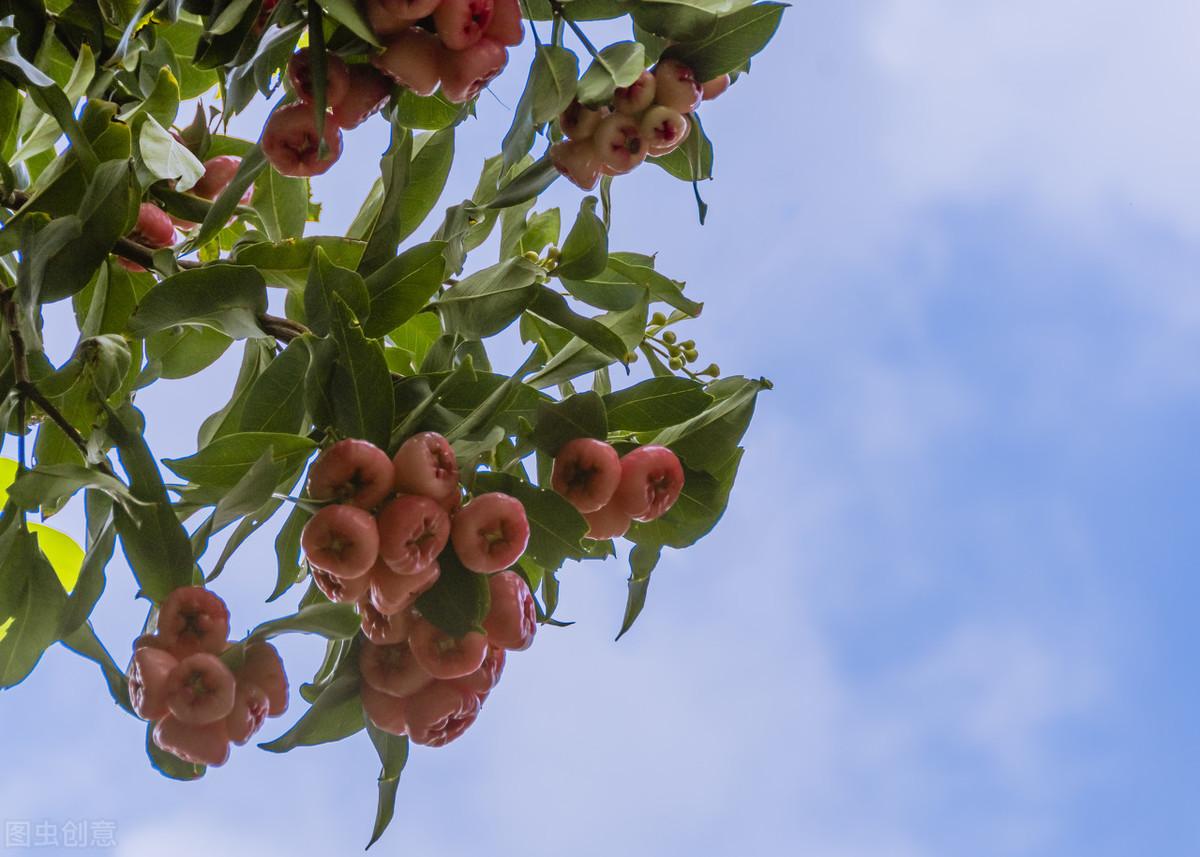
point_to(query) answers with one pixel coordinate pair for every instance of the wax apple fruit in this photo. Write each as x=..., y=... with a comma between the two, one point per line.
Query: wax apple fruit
x=714, y=88
x=506, y=26
x=384, y=710
x=369, y=91
x=250, y=710
x=193, y=619
x=676, y=86
x=412, y=59
x=651, y=481
x=351, y=471
x=384, y=629
x=264, y=668
x=608, y=523
x=392, y=669
x=576, y=159
x=444, y=656
x=413, y=530
x=342, y=540
x=218, y=173
x=440, y=713
x=586, y=473
x=300, y=76
x=484, y=680
x=391, y=592
x=147, y=674
x=200, y=689
x=579, y=122
x=512, y=620
x=201, y=745
x=154, y=228
x=425, y=465
x=490, y=533
x=462, y=23
x=664, y=129
x=636, y=97
x=466, y=72
x=618, y=143
x=291, y=144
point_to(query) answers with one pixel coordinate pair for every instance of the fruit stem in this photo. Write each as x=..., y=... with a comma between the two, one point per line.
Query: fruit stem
x=561, y=12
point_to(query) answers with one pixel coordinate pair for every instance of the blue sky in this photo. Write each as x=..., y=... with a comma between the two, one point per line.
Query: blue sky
x=950, y=609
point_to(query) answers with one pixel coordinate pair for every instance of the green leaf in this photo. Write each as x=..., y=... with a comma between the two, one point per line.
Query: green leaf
x=426, y=180
x=581, y=415
x=155, y=543
x=227, y=459
x=393, y=756
x=707, y=440
x=336, y=714
x=656, y=404
x=50, y=485
x=490, y=300
x=361, y=387
x=281, y=203
x=331, y=621
x=526, y=186
x=275, y=402
x=556, y=529
x=642, y=561
x=31, y=615
x=327, y=282
x=736, y=38
x=347, y=13
x=166, y=158
x=402, y=287
x=549, y=305
x=460, y=599
x=640, y=269
x=288, y=262
x=585, y=252
x=224, y=206
x=84, y=642
x=554, y=78
x=692, y=161
x=384, y=235
x=287, y=552
x=227, y=298
x=618, y=65
x=577, y=357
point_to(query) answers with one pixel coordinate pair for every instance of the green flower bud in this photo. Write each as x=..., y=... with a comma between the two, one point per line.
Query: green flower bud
x=713, y=370
x=669, y=337
x=691, y=355
x=676, y=363
x=658, y=319
x=688, y=344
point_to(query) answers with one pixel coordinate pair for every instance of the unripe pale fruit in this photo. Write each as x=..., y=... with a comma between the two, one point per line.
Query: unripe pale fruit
x=483, y=680
x=676, y=86
x=466, y=72
x=576, y=159
x=586, y=473
x=384, y=629
x=512, y=620
x=664, y=129
x=250, y=710
x=369, y=91
x=425, y=465
x=300, y=76
x=408, y=10
x=291, y=144
x=392, y=669
x=341, y=590
x=201, y=745
x=490, y=533
x=200, y=689
x=638, y=96
x=462, y=23
x=443, y=656
x=218, y=173
x=154, y=228
x=264, y=668
x=506, y=26
x=618, y=143
x=412, y=59
x=713, y=88
x=608, y=523
x=440, y=713
x=147, y=674
x=579, y=122
x=413, y=531
x=356, y=472
x=342, y=540
x=384, y=710
x=391, y=593
x=651, y=480
x=193, y=619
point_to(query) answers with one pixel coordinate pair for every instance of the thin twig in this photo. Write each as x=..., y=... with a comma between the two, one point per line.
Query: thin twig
x=561, y=12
